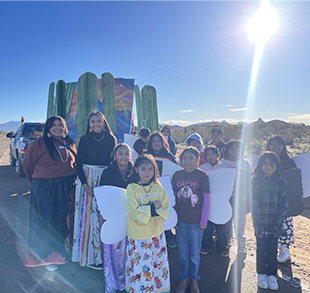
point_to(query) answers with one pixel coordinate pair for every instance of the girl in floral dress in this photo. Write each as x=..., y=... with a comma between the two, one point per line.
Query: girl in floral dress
x=147, y=267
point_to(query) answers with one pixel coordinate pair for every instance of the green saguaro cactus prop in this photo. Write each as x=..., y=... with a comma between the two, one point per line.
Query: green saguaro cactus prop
x=140, y=118
x=108, y=99
x=61, y=95
x=87, y=101
x=149, y=107
x=70, y=92
x=51, y=100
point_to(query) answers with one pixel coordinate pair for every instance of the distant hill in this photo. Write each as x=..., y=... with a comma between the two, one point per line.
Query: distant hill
x=10, y=126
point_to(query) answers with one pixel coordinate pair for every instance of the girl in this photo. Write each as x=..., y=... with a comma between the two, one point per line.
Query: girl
x=195, y=140
x=240, y=200
x=117, y=174
x=277, y=145
x=191, y=189
x=269, y=207
x=94, y=154
x=147, y=267
x=212, y=156
x=158, y=147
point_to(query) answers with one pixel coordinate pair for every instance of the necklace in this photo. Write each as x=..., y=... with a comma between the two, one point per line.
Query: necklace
x=147, y=192
x=98, y=139
x=64, y=161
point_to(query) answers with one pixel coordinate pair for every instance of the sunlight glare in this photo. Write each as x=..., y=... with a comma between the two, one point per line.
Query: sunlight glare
x=263, y=24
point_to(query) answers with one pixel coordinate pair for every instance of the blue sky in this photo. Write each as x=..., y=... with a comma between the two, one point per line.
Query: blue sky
x=196, y=54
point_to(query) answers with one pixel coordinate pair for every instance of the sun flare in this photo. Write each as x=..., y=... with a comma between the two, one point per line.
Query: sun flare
x=263, y=24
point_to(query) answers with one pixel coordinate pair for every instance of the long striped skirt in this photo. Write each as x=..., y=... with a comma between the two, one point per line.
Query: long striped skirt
x=87, y=245
x=147, y=267
x=49, y=233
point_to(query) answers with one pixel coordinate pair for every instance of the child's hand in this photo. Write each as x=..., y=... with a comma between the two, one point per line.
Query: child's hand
x=201, y=227
x=157, y=204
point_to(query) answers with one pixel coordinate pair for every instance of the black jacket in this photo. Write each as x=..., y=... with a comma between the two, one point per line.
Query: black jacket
x=111, y=176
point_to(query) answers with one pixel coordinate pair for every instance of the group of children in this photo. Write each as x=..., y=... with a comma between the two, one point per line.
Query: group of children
x=140, y=262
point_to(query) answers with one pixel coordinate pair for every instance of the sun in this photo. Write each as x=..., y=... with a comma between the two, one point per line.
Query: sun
x=263, y=24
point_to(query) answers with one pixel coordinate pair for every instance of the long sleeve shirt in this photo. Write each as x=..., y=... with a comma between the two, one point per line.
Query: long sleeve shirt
x=269, y=203
x=37, y=162
x=94, y=152
x=141, y=223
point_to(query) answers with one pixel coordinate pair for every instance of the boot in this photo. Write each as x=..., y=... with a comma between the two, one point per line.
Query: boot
x=182, y=286
x=194, y=286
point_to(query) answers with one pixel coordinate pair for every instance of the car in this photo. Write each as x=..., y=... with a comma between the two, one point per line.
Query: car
x=25, y=134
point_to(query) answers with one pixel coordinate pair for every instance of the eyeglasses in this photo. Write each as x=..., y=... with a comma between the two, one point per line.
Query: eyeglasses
x=266, y=164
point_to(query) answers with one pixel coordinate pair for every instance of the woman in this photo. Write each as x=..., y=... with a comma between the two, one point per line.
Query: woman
x=117, y=174
x=159, y=148
x=49, y=164
x=94, y=154
x=277, y=145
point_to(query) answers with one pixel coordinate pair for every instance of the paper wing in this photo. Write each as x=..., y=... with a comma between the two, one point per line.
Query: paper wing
x=303, y=162
x=130, y=140
x=111, y=203
x=252, y=159
x=170, y=168
x=173, y=217
x=221, y=187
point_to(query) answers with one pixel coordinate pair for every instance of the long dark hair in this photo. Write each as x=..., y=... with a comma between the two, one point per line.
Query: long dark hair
x=106, y=126
x=285, y=154
x=149, y=147
x=145, y=158
x=49, y=141
x=272, y=158
x=229, y=145
x=93, y=148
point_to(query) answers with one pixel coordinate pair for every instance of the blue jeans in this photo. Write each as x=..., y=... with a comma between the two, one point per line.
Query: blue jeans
x=189, y=242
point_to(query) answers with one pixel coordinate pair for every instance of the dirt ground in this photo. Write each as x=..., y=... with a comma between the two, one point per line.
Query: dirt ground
x=296, y=271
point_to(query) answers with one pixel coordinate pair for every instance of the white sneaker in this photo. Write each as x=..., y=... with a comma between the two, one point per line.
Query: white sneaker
x=51, y=268
x=262, y=281
x=242, y=248
x=273, y=283
x=284, y=255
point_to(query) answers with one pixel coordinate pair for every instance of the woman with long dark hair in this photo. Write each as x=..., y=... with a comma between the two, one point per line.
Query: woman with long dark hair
x=49, y=164
x=94, y=155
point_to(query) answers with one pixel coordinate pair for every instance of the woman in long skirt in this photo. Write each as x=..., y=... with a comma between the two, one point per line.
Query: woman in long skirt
x=94, y=154
x=49, y=164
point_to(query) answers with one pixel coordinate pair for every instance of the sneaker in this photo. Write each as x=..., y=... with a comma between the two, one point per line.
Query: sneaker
x=171, y=243
x=96, y=267
x=51, y=268
x=242, y=248
x=224, y=253
x=284, y=255
x=205, y=251
x=262, y=281
x=273, y=283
